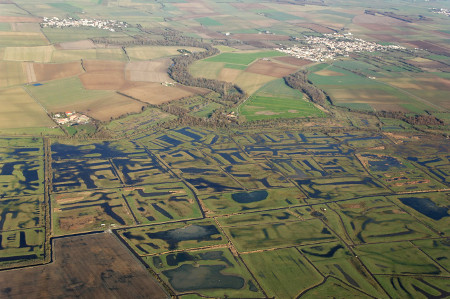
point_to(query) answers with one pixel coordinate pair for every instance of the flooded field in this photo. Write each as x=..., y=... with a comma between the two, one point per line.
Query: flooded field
x=226, y=214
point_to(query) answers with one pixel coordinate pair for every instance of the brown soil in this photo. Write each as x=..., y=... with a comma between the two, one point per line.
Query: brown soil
x=269, y=68
x=194, y=8
x=328, y=73
x=29, y=71
x=352, y=206
x=47, y=71
x=148, y=71
x=156, y=93
x=88, y=266
x=266, y=113
x=248, y=5
x=111, y=107
x=6, y=19
x=293, y=61
x=427, y=64
x=104, y=108
x=77, y=223
x=385, y=37
x=104, y=75
x=103, y=65
x=435, y=48
x=228, y=75
x=385, y=22
x=262, y=44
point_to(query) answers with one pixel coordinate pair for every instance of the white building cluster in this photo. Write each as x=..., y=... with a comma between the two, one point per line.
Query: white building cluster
x=70, y=118
x=330, y=46
x=442, y=11
x=111, y=25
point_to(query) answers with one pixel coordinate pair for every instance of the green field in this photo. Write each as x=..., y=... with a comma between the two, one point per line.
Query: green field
x=277, y=100
x=284, y=273
x=60, y=93
x=243, y=58
x=208, y=22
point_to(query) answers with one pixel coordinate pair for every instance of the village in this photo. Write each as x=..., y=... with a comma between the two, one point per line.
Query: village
x=70, y=118
x=442, y=11
x=111, y=25
x=330, y=46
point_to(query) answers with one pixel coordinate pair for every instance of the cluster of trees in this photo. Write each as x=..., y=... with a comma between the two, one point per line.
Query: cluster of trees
x=427, y=120
x=179, y=72
x=300, y=81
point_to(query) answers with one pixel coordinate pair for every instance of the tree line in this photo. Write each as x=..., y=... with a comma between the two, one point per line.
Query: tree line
x=299, y=80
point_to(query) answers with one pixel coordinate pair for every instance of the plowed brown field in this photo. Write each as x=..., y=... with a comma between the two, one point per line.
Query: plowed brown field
x=148, y=71
x=89, y=266
x=269, y=68
x=156, y=93
x=48, y=71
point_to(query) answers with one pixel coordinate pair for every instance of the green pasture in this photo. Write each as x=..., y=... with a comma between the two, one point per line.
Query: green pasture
x=67, y=7
x=283, y=273
x=437, y=249
x=206, y=69
x=333, y=259
x=371, y=220
x=22, y=213
x=340, y=187
x=431, y=208
x=176, y=204
x=278, y=235
x=396, y=258
x=22, y=247
x=276, y=100
x=280, y=16
x=206, y=21
x=243, y=58
x=5, y=27
x=415, y=286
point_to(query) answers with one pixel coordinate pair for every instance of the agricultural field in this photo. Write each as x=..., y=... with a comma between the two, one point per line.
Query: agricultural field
x=119, y=274
x=152, y=52
x=201, y=173
x=58, y=95
x=276, y=100
x=17, y=104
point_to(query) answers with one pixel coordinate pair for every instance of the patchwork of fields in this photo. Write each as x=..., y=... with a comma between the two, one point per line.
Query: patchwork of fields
x=329, y=207
x=185, y=187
